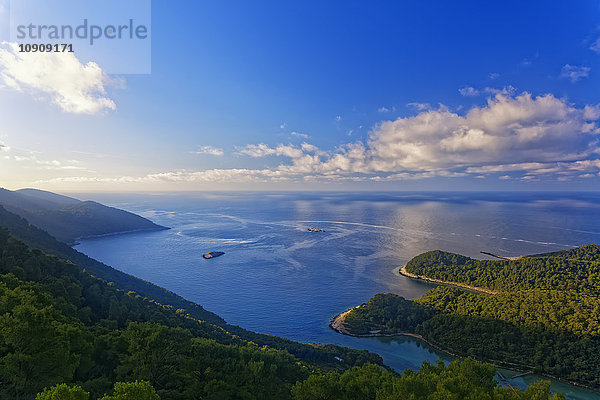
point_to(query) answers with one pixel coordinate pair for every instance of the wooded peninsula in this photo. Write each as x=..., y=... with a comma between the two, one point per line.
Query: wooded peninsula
x=537, y=313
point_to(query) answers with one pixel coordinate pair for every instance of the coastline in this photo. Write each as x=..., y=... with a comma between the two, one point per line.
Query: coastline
x=337, y=324
x=157, y=228
x=403, y=272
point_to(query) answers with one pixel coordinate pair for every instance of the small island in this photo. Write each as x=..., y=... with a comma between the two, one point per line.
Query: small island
x=213, y=254
x=313, y=229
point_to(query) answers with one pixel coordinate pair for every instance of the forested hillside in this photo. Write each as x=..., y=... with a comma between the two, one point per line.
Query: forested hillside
x=68, y=219
x=575, y=269
x=545, y=316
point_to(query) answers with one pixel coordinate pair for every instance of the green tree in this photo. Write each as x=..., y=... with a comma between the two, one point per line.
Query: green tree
x=138, y=390
x=63, y=392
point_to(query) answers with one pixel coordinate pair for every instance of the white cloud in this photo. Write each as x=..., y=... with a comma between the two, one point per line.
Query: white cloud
x=420, y=106
x=520, y=137
x=234, y=175
x=469, y=91
x=338, y=118
x=283, y=126
x=595, y=47
x=75, y=87
x=210, y=150
x=384, y=109
x=574, y=73
x=300, y=135
x=519, y=129
x=506, y=90
x=494, y=75
x=262, y=150
x=32, y=160
x=4, y=147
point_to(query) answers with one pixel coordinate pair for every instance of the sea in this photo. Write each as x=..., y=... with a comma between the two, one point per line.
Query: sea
x=276, y=277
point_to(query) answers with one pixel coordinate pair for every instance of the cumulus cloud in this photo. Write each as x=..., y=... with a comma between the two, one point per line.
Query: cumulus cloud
x=4, y=147
x=523, y=131
x=520, y=137
x=574, y=73
x=75, y=87
x=210, y=150
x=262, y=150
x=468, y=91
x=519, y=129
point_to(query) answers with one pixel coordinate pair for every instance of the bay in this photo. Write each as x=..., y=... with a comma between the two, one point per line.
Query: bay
x=276, y=277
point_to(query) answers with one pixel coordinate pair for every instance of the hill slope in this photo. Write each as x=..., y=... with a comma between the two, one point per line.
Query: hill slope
x=69, y=219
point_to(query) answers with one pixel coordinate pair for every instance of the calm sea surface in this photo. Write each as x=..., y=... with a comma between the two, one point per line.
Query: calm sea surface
x=278, y=278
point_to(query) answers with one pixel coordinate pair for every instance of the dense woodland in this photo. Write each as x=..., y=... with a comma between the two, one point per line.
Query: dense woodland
x=66, y=334
x=545, y=318
x=466, y=380
x=575, y=269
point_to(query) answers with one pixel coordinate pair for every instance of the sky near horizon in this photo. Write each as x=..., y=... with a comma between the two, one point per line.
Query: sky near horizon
x=350, y=95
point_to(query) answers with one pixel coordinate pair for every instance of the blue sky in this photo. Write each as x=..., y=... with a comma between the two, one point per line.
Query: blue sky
x=305, y=95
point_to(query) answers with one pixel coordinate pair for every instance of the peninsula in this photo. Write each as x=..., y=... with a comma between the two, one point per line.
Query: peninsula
x=533, y=313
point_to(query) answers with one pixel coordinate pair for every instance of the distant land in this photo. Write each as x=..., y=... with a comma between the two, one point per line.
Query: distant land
x=69, y=219
x=537, y=314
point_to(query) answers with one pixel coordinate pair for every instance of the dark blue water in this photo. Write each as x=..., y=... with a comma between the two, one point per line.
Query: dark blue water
x=278, y=278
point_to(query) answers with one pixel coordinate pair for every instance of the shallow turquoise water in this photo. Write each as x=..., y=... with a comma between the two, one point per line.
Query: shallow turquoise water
x=278, y=278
